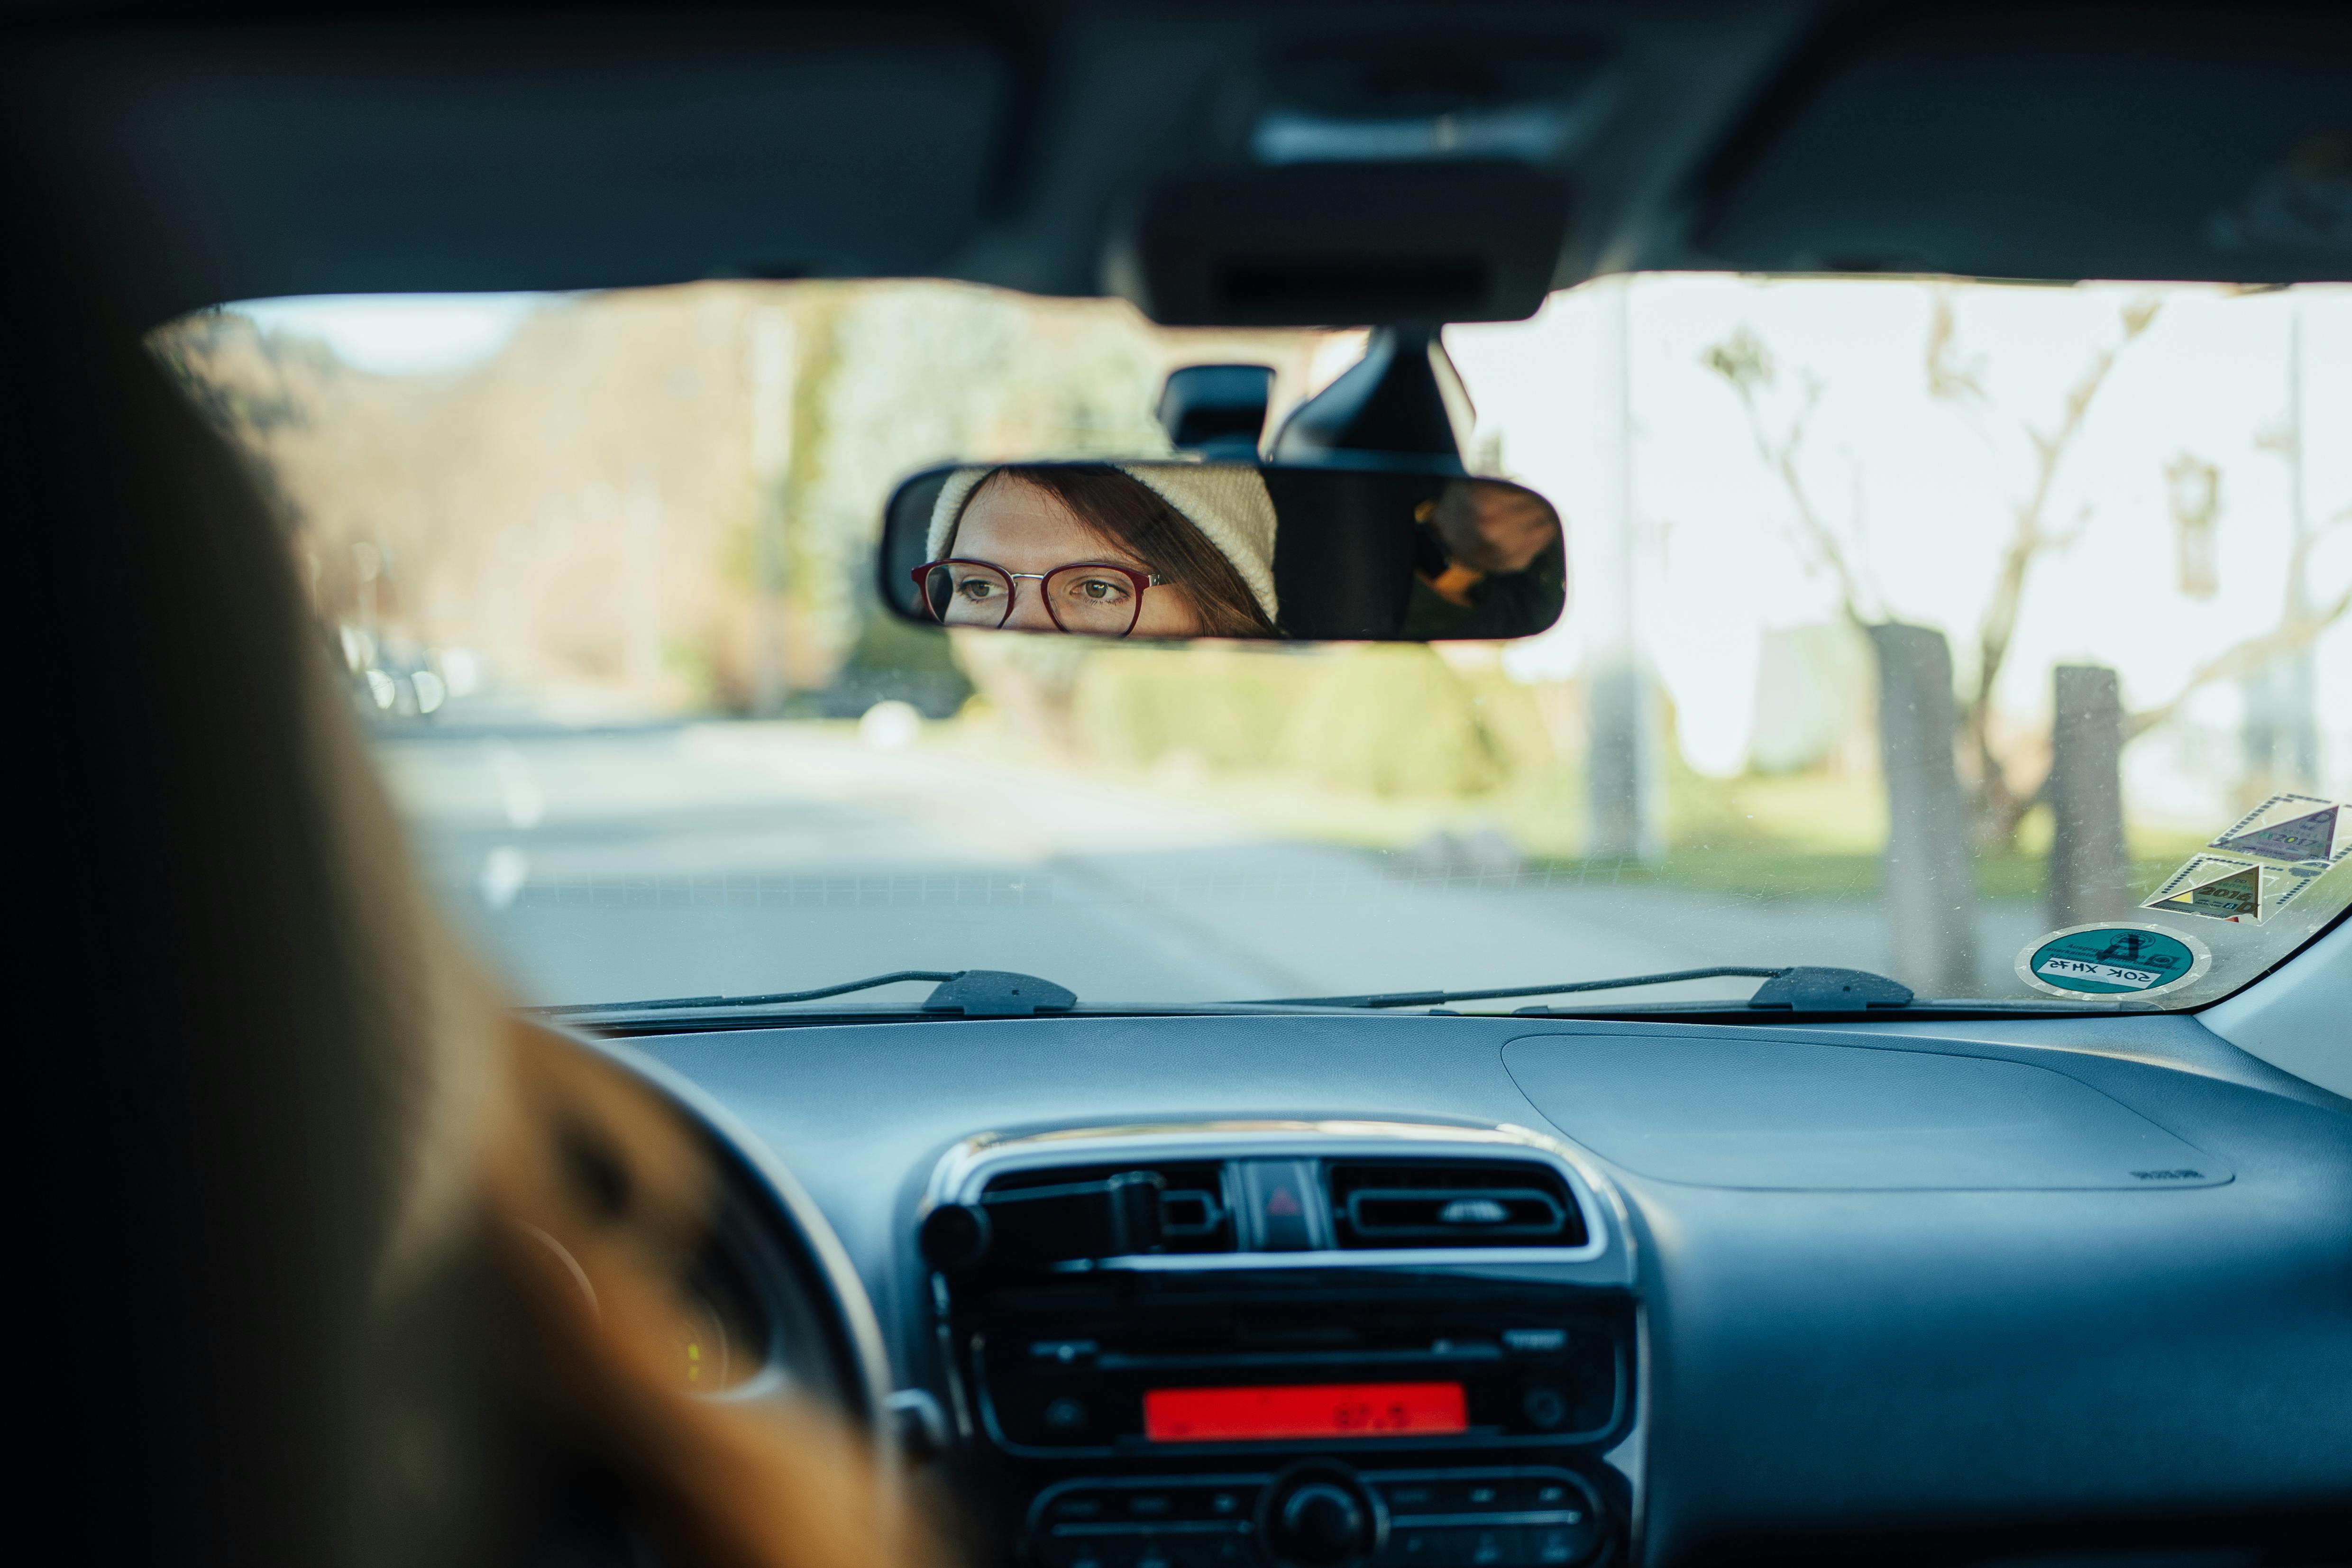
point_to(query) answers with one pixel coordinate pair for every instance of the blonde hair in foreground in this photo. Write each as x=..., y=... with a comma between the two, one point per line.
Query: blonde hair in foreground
x=490, y=1112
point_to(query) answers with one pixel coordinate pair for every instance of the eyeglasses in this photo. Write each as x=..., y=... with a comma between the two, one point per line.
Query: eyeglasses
x=1091, y=598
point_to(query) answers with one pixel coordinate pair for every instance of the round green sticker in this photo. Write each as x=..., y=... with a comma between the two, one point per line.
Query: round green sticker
x=2110, y=958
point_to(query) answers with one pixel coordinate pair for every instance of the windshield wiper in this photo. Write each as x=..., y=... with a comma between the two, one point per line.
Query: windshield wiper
x=1802, y=988
x=974, y=993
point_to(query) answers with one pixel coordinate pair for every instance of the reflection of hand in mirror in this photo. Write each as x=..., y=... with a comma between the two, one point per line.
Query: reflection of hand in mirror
x=1101, y=550
x=1490, y=528
x=1488, y=563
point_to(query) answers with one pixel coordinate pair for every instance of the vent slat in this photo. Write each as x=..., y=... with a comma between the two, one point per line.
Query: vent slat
x=1438, y=1203
x=1192, y=1213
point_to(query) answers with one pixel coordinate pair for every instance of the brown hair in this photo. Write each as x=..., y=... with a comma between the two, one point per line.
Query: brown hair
x=1130, y=515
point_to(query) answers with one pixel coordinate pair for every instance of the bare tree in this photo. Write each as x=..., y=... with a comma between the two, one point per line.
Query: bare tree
x=1748, y=365
x=1996, y=802
x=1929, y=888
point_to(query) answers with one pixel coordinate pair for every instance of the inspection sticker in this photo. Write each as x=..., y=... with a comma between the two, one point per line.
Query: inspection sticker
x=2220, y=888
x=2112, y=960
x=2302, y=827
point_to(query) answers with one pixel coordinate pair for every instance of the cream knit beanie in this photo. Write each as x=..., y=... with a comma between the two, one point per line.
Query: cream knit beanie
x=1228, y=502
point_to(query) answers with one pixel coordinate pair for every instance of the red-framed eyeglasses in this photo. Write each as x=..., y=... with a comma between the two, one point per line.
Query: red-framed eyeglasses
x=1091, y=598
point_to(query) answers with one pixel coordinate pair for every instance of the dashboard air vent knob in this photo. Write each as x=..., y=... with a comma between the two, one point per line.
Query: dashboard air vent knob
x=954, y=1236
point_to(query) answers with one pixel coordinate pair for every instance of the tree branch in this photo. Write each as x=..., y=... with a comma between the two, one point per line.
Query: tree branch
x=1999, y=806
x=1742, y=362
x=2296, y=630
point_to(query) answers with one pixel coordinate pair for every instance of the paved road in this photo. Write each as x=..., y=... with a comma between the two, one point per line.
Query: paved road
x=737, y=857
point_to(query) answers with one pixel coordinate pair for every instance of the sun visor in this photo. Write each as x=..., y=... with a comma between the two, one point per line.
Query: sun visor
x=489, y=156
x=1346, y=244
x=2047, y=143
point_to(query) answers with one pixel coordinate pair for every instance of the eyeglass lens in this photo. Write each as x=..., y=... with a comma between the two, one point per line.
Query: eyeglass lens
x=1089, y=601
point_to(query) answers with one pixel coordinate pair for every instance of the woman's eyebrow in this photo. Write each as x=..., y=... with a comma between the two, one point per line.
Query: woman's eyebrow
x=1112, y=552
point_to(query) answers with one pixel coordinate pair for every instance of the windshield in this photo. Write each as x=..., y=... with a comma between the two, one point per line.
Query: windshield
x=1990, y=638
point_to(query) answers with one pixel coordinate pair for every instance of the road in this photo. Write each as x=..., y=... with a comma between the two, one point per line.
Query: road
x=732, y=857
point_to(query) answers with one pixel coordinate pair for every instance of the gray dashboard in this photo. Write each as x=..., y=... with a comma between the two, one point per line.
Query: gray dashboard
x=2033, y=1273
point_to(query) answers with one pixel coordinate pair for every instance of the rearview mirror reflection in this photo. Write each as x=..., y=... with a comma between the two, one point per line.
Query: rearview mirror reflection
x=1182, y=549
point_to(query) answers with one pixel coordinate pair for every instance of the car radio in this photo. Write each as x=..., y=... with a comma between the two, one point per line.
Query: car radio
x=1141, y=1363
x=1287, y=1347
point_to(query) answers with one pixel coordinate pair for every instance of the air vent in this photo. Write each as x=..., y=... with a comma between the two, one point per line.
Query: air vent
x=1192, y=1213
x=1452, y=1203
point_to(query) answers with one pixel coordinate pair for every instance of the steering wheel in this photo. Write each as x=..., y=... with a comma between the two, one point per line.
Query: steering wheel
x=779, y=1309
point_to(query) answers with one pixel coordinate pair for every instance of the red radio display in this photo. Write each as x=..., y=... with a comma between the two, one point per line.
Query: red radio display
x=1312, y=1410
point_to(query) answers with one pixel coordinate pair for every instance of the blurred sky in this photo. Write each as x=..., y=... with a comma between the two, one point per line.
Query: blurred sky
x=400, y=334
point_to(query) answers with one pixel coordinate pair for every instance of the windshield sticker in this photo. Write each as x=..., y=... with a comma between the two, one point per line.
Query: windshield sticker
x=2301, y=827
x=2221, y=889
x=2299, y=876
x=2111, y=959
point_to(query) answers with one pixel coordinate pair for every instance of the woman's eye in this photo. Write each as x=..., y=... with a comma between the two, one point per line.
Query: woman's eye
x=1101, y=590
x=976, y=589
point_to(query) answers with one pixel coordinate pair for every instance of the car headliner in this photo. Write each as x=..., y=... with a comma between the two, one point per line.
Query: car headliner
x=215, y=154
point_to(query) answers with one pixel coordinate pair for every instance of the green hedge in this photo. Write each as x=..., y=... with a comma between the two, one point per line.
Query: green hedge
x=1385, y=721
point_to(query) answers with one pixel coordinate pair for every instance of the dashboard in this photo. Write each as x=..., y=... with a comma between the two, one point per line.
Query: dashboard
x=1302, y=1291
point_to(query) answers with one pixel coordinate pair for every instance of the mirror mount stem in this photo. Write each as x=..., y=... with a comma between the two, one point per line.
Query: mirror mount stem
x=1401, y=401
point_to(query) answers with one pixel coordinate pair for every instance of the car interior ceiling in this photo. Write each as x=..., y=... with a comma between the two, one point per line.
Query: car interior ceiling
x=263, y=1080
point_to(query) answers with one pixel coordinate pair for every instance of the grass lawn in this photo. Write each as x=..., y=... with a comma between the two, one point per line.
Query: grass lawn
x=1796, y=835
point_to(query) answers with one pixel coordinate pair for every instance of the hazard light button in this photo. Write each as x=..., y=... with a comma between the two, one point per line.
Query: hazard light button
x=1283, y=1207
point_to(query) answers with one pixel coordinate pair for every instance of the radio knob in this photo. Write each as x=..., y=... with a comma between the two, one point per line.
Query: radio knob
x=1322, y=1524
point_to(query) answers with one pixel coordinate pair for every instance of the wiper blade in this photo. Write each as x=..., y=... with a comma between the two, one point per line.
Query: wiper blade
x=1805, y=988
x=974, y=993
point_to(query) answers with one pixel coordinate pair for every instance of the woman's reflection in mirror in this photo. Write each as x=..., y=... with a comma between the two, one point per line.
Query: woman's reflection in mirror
x=1104, y=549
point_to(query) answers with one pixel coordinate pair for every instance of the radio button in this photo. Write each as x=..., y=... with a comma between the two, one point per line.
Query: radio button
x=1214, y=1502
x=1547, y=1492
x=1471, y=1494
x=1089, y=1550
x=1560, y=1545
x=1494, y=1549
x=1426, y=1546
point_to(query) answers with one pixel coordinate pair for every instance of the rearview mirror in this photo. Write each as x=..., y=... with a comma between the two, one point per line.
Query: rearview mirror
x=1162, y=550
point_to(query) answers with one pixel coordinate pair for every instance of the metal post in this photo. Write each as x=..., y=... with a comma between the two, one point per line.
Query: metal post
x=2090, y=867
x=771, y=414
x=641, y=586
x=2280, y=732
x=1930, y=884
x=2301, y=715
x=1623, y=781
